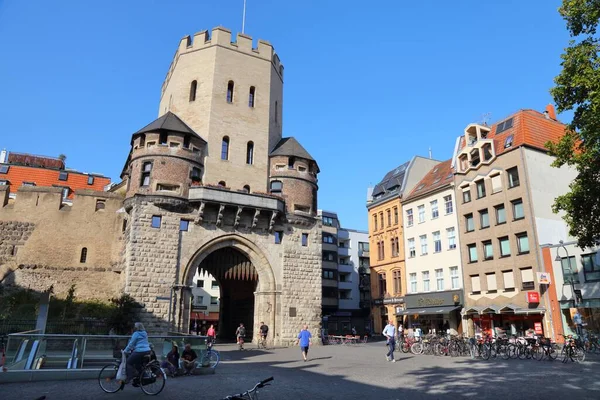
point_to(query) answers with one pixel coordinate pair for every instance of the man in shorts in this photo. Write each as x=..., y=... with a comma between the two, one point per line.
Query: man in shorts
x=264, y=332
x=305, y=340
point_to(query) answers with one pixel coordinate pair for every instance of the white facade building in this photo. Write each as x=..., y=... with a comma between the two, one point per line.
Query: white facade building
x=206, y=301
x=433, y=263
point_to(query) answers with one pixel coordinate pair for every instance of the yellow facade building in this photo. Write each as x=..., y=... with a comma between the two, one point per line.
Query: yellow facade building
x=384, y=204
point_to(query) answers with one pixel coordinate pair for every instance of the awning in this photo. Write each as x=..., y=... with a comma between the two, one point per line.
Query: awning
x=427, y=311
x=539, y=310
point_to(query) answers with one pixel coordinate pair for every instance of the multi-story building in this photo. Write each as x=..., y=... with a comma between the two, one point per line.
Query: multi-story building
x=434, y=295
x=21, y=169
x=573, y=278
x=345, y=285
x=504, y=188
x=384, y=205
x=205, y=305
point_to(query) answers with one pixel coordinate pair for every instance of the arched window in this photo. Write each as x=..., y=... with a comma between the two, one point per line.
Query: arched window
x=276, y=111
x=225, y=148
x=230, y=92
x=222, y=184
x=251, y=96
x=250, y=153
x=193, y=87
x=246, y=188
x=83, y=255
x=276, y=186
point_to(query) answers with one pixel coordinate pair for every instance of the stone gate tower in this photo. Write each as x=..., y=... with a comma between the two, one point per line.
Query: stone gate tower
x=232, y=95
x=212, y=185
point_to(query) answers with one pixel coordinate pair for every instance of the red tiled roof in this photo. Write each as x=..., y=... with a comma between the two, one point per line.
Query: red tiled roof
x=530, y=128
x=17, y=174
x=440, y=175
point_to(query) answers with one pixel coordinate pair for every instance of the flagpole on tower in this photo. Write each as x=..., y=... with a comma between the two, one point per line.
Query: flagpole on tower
x=244, y=17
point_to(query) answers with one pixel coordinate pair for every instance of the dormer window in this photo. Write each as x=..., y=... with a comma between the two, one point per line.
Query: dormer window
x=508, y=142
x=504, y=125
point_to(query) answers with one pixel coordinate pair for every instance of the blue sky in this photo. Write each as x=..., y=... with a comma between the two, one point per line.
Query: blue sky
x=368, y=84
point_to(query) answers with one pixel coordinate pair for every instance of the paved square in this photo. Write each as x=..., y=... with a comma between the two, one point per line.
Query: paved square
x=353, y=372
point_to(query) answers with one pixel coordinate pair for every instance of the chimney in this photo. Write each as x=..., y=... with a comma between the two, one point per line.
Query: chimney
x=550, y=112
x=3, y=155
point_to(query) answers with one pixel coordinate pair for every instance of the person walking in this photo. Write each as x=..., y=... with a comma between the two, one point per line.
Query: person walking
x=578, y=321
x=305, y=340
x=390, y=333
x=212, y=335
x=240, y=334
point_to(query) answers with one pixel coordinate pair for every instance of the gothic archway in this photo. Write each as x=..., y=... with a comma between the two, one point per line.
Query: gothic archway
x=246, y=283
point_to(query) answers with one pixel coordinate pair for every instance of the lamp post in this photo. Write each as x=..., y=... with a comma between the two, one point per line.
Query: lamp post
x=558, y=258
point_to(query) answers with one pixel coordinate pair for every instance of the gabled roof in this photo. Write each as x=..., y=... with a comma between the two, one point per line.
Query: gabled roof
x=529, y=128
x=440, y=175
x=168, y=122
x=290, y=147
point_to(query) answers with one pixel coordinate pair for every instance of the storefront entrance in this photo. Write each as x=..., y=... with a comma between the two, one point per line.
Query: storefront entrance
x=432, y=312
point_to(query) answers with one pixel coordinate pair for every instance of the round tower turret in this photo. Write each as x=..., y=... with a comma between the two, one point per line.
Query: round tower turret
x=293, y=175
x=166, y=158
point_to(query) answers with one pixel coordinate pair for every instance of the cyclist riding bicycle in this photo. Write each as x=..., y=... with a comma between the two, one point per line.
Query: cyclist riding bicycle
x=139, y=347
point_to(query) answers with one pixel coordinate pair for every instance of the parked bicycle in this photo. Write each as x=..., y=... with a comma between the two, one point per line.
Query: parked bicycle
x=572, y=350
x=151, y=378
x=251, y=394
x=546, y=349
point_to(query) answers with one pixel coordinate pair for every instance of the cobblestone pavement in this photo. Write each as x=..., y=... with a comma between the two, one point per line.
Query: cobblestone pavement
x=353, y=372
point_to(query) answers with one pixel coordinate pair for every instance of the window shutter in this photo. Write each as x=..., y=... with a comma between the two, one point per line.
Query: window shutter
x=509, y=279
x=527, y=275
x=491, y=282
x=475, y=283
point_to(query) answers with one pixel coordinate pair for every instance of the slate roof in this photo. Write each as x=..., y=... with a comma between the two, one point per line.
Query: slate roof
x=168, y=122
x=529, y=128
x=391, y=180
x=440, y=175
x=290, y=147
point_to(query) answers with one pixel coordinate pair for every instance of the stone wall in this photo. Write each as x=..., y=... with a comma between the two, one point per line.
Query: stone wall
x=42, y=238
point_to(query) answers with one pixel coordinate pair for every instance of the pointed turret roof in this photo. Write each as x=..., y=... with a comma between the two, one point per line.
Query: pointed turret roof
x=168, y=122
x=290, y=147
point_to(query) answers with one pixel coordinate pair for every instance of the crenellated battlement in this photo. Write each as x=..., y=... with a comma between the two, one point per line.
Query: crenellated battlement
x=37, y=200
x=221, y=36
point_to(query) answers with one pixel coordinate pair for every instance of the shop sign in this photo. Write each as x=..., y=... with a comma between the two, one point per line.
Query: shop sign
x=537, y=326
x=533, y=297
x=388, y=300
x=544, y=278
x=450, y=298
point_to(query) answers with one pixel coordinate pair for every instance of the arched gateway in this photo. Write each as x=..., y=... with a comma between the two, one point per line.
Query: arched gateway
x=246, y=280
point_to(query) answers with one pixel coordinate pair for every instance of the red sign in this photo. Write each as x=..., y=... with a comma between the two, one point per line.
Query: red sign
x=533, y=297
x=537, y=326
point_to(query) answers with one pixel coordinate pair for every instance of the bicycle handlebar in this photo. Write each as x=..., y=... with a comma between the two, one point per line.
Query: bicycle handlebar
x=267, y=380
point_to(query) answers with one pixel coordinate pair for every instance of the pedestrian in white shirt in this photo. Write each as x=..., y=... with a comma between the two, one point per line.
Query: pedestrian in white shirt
x=390, y=333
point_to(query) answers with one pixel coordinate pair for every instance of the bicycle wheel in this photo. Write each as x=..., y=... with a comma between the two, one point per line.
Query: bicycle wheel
x=579, y=355
x=522, y=352
x=211, y=358
x=416, y=348
x=485, y=351
x=539, y=352
x=504, y=351
x=152, y=380
x=405, y=347
x=553, y=352
x=107, y=379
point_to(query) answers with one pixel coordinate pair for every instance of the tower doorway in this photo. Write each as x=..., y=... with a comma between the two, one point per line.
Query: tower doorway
x=238, y=281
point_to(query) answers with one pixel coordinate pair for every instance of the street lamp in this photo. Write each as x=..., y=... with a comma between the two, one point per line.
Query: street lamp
x=558, y=258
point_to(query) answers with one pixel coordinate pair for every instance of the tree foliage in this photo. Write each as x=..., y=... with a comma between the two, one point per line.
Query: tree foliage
x=578, y=89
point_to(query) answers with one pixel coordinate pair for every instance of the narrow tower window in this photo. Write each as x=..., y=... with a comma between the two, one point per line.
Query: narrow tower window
x=276, y=111
x=146, y=170
x=251, y=97
x=250, y=153
x=225, y=148
x=230, y=92
x=193, y=87
x=276, y=187
x=83, y=257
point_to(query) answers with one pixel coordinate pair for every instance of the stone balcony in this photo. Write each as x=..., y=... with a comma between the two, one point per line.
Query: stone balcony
x=241, y=205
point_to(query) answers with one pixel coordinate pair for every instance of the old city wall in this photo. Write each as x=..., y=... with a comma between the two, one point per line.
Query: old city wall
x=289, y=291
x=41, y=239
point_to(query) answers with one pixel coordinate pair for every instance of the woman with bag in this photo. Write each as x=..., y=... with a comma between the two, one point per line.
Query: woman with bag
x=139, y=347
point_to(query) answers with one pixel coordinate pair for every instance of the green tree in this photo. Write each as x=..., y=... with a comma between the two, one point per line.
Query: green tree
x=578, y=89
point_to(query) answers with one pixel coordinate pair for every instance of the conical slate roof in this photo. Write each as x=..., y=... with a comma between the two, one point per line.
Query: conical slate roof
x=168, y=122
x=290, y=147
